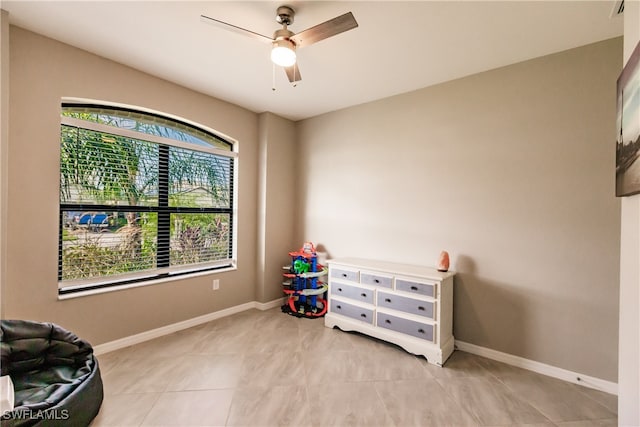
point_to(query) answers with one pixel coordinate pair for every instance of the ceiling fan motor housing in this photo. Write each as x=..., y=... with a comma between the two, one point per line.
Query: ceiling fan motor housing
x=284, y=15
x=282, y=34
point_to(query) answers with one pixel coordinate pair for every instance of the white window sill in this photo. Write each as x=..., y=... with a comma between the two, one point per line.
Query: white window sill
x=144, y=283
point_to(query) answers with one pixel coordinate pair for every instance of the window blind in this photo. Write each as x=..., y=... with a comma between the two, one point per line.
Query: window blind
x=140, y=199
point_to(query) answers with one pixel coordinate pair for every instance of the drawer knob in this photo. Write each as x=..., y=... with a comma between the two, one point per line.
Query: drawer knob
x=414, y=288
x=376, y=280
x=344, y=274
x=339, y=289
x=421, y=331
x=387, y=321
x=363, y=315
x=339, y=307
x=363, y=295
x=387, y=300
x=421, y=308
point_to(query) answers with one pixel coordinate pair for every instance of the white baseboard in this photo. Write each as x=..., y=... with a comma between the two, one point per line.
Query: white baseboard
x=185, y=324
x=520, y=362
x=541, y=368
x=271, y=304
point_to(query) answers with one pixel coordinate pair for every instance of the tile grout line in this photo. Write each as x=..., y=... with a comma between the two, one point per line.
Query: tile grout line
x=453, y=399
x=512, y=394
x=159, y=395
x=386, y=409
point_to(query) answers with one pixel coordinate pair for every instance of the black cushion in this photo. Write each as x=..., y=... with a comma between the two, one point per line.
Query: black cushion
x=55, y=375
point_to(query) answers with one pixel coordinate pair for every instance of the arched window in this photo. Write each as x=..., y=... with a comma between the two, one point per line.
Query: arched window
x=142, y=197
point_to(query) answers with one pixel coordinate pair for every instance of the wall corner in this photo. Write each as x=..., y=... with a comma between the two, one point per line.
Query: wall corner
x=4, y=149
x=629, y=316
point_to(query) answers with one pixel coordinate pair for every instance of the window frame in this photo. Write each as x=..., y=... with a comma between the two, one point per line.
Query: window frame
x=164, y=272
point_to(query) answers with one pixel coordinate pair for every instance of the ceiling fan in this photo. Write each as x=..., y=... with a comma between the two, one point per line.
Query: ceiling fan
x=285, y=42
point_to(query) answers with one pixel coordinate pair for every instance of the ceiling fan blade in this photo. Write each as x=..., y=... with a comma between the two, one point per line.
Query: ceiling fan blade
x=235, y=29
x=293, y=73
x=325, y=30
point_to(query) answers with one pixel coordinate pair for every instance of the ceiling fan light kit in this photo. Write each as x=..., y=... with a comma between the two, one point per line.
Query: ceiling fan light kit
x=284, y=42
x=283, y=52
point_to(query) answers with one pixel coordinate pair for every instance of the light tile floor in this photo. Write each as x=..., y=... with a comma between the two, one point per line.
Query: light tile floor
x=269, y=369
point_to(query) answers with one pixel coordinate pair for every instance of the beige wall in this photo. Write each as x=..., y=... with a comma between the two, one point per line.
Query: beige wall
x=512, y=172
x=277, y=202
x=42, y=72
x=628, y=369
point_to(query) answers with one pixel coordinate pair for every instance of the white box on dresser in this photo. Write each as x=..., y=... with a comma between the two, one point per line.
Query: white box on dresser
x=408, y=305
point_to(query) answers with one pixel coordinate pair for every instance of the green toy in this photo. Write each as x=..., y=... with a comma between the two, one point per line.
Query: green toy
x=300, y=267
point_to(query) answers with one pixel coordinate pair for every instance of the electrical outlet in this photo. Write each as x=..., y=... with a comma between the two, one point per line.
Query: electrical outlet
x=216, y=284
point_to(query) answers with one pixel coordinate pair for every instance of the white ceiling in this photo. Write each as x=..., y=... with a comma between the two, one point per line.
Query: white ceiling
x=398, y=46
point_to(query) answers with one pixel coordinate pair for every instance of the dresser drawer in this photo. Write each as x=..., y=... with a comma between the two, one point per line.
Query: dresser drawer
x=416, y=287
x=353, y=311
x=352, y=292
x=406, y=304
x=350, y=275
x=374, y=279
x=420, y=330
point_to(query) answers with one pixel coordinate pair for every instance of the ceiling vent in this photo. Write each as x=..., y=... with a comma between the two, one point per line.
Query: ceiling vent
x=618, y=8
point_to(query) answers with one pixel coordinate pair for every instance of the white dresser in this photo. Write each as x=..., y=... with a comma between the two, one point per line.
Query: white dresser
x=408, y=305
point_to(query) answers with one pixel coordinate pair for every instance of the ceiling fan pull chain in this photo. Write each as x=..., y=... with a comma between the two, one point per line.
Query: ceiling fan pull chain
x=273, y=77
x=295, y=77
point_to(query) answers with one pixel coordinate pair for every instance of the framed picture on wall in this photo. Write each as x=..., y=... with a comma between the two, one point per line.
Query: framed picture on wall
x=628, y=126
